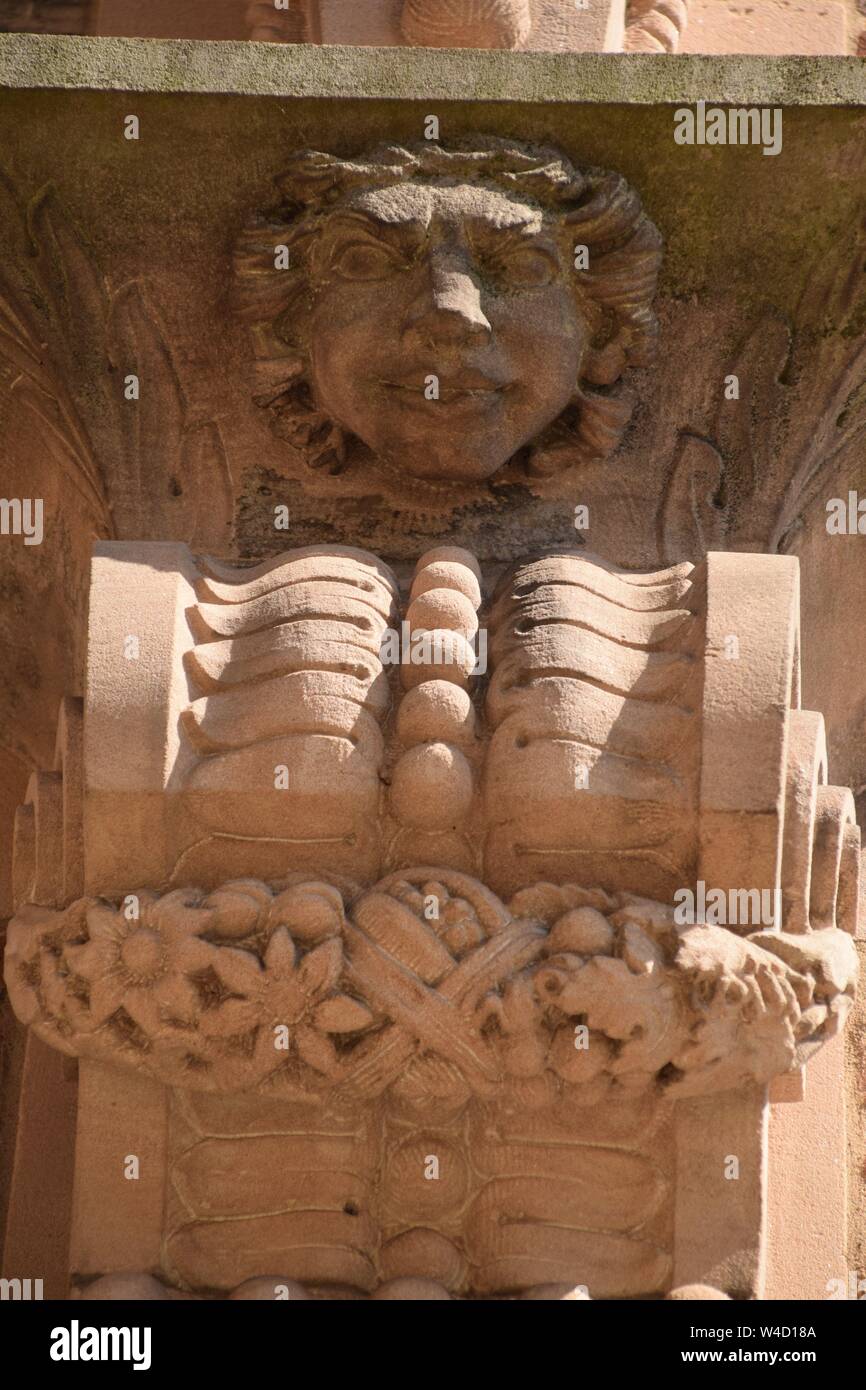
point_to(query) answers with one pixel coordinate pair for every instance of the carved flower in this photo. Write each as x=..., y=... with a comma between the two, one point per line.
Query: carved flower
x=297, y=993
x=36, y=972
x=143, y=965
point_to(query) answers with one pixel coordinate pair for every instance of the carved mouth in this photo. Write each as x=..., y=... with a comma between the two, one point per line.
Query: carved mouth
x=471, y=389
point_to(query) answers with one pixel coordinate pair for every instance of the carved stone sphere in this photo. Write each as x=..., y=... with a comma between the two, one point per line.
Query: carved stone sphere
x=126, y=1287
x=697, y=1293
x=411, y=1290
x=270, y=1288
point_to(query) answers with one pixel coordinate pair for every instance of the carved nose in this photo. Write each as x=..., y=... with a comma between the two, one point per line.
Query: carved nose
x=450, y=309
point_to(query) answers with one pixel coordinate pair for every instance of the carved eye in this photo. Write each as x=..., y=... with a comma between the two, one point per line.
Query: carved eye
x=364, y=260
x=526, y=267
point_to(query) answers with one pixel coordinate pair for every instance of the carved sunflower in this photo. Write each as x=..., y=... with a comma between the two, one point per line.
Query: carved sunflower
x=143, y=965
x=295, y=992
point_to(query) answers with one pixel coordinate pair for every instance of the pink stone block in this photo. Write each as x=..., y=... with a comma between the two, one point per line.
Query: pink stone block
x=807, y=1206
x=765, y=26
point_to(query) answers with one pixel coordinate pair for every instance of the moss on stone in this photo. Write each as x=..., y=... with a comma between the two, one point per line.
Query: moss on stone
x=300, y=70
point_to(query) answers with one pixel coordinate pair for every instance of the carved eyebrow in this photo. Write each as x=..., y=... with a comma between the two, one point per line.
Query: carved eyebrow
x=527, y=233
x=364, y=222
x=409, y=235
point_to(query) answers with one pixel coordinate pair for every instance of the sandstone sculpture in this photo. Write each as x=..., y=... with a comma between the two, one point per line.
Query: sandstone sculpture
x=390, y=257
x=317, y=898
x=466, y=23
x=564, y=26
x=655, y=26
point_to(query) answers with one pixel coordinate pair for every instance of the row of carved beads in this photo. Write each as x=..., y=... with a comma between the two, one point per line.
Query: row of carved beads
x=433, y=785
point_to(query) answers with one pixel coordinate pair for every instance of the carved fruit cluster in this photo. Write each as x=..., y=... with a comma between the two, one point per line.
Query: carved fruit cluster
x=427, y=987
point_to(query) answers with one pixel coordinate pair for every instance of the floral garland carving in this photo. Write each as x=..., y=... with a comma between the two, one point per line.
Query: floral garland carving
x=426, y=987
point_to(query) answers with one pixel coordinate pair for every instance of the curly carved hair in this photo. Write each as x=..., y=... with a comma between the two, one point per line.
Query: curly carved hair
x=599, y=209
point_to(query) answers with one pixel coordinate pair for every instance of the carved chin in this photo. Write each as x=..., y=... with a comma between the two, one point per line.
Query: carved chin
x=449, y=462
x=469, y=441
x=443, y=459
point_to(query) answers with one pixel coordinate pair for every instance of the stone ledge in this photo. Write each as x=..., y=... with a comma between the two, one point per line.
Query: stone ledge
x=309, y=71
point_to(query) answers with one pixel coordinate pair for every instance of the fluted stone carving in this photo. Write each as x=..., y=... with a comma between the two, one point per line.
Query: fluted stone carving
x=466, y=23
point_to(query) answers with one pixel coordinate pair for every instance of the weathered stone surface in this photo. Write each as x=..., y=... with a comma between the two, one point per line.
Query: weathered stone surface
x=428, y=1026
x=676, y=1002
x=771, y=26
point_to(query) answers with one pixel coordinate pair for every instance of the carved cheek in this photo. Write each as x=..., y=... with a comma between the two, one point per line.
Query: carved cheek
x=343, y=337
x=542, y=327
x=353, y=325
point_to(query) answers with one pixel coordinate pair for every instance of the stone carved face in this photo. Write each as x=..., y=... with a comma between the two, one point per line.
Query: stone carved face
x=446, y=333
x=433, y=308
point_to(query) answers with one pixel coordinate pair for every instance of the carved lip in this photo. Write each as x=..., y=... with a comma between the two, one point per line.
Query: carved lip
x=468, y=386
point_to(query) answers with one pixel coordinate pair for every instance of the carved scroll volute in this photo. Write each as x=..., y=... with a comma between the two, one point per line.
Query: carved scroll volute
x=751, y=678
x=96, y=821
x=821, y=857
x=136, y=691
x=655, y=26
x=768, y=820
x=767, y=823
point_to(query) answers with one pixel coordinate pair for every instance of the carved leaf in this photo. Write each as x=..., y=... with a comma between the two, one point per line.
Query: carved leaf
x=66, y=346
x=799, y=421
x=174, y=475
x=693, y=519
x=830, y=426
x=318, y=1052
x=342, y=1015
x=207, y=480
x=320, y=970
x=744, y=427
x=239, y=971
x=38, y=360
